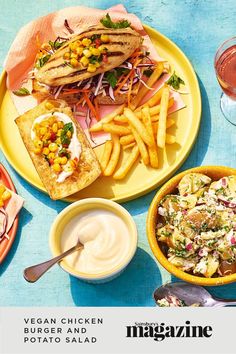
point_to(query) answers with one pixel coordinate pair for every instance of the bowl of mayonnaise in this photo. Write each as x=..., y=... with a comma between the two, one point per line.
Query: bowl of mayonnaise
x=107, y=232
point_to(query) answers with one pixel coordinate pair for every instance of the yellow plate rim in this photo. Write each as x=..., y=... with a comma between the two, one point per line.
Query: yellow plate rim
x=185, y=150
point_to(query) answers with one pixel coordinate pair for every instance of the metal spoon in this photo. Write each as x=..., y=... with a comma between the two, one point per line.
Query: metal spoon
x=191, y=294
x=33, y=273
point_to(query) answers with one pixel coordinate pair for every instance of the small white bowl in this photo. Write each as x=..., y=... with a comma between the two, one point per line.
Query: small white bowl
x=64, y=217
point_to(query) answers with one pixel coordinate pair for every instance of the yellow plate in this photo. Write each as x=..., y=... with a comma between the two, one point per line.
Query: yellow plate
x=142, y=179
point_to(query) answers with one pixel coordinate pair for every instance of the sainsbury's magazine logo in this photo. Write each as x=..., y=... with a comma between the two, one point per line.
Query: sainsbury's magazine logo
x=161, y=331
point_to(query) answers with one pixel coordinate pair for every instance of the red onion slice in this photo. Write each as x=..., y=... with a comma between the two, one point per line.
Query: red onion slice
x=111, y=93
x=99, y=84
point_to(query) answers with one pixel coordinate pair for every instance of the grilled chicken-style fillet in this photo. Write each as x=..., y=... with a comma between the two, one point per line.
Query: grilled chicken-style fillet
x=123, y=42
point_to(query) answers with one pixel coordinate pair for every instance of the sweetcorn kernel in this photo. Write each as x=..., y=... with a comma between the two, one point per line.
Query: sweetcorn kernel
x=97, y=64
x=57, y=160
x=84, y=61
x=51, y=155
x=46, y=151
x=38, y=143
x=105, y=38
x=87, y=53
x=74, y=62
x=79, y=51
x=73, y=55
x=95, y=51
x=66, y=55
x=102, y=48
x=37, y=151
x=59, y=132
x=42, y=130
x=60, y=124
x=47, y=136
x=73, y=46
x=53, y=147
x=68, y=134
x=91, y=68
x=86, y=42
x=51, y=120
x=64, y=160
x=6, y=195
x=55, y=128
x=56, y=167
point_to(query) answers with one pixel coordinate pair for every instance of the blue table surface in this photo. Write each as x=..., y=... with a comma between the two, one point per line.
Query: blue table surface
x=198, y=27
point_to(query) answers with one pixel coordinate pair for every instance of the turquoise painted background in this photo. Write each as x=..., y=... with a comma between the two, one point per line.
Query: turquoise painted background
x=198, y=27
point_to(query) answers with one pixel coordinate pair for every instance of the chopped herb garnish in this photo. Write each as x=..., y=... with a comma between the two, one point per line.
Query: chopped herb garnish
x=56, y=44
x=94, y=37
x=68, y=127
x=23, y=91
x=148, y=72
x=95, y=59
x=107, y=22
x=43, y=60
x=64, y=152
x=175, y=81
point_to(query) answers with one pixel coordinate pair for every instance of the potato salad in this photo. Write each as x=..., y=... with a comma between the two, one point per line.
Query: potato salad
x=197, y=226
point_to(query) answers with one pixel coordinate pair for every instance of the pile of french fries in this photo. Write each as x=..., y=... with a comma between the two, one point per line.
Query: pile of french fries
x=140, y=131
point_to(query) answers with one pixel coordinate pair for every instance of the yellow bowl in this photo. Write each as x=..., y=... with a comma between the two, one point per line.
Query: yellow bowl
x=215, y=172
x=64, y=217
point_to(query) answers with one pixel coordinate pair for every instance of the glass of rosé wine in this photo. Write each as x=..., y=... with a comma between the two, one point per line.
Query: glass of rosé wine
x=225, y=67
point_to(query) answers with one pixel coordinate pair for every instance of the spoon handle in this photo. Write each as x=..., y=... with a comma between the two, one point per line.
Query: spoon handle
x=33, y=273
x=225, y=302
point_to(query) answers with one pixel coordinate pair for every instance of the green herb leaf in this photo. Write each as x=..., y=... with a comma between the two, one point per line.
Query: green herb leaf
x=148, y=72
x=121, y=71
x=41, y=61
x=111, y=78
x=175, y=81
x=56, y=44
x=68, y=127
x=23, y=91
x=107, y=22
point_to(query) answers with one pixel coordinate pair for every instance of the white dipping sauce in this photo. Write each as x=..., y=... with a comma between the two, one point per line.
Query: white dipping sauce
x=105, y=237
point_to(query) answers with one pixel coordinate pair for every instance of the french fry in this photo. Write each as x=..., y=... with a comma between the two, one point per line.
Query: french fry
x=107, y=119
x=127, y=164
x=170, y=139
x=120, y=119
x=127, y=139
x=125, y=147
x=106, y=154
x=152, y=150
x=116, y=129
x=169, y=123
x=154, y=100
x=154, y=111
x=141, y=146
x=161, y=132
x=150, y=82
x=114, y=156
x=139, y=126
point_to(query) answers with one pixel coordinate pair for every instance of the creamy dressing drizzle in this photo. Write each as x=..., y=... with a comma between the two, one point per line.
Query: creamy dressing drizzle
x=74, y=147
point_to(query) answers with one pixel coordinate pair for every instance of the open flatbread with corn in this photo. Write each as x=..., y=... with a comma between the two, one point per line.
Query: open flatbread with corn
x=58, y=148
